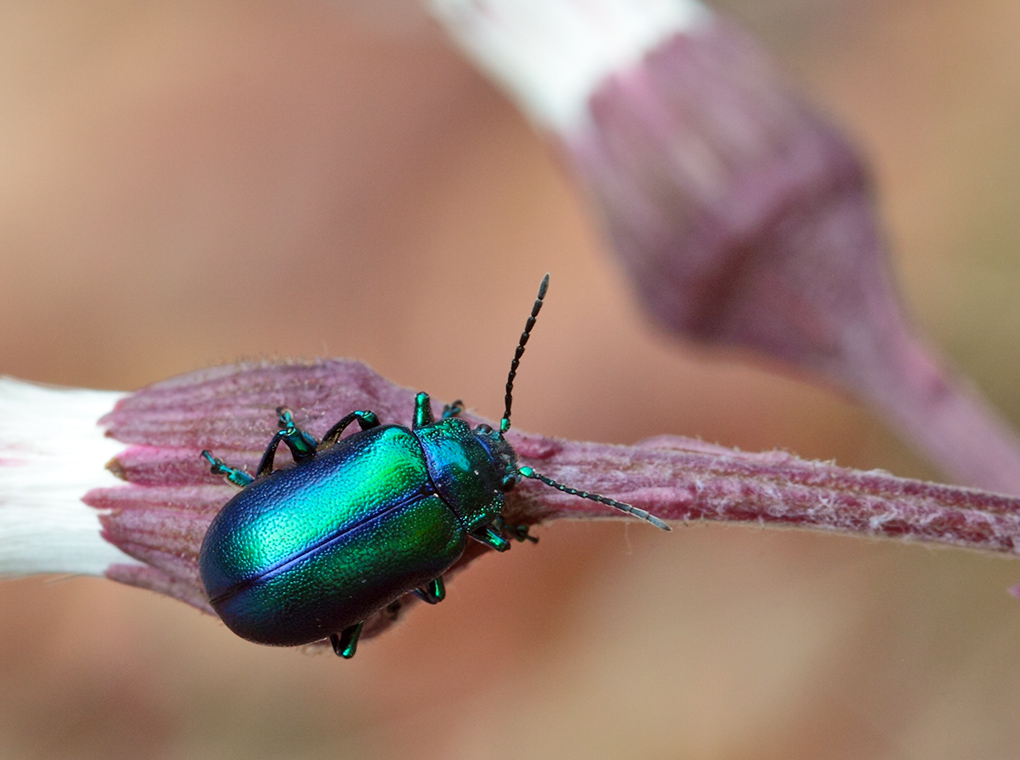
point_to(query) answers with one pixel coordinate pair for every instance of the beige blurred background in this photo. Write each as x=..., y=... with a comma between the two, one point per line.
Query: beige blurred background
x=189, y=184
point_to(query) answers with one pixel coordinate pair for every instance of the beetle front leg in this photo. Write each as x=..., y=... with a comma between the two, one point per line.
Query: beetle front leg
x=519, y=532
x=345, y=643
x=433, y=592
x=236, y=476
x=366, y=421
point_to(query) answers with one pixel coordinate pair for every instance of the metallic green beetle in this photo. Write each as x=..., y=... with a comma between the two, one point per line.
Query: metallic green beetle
x=309, y=551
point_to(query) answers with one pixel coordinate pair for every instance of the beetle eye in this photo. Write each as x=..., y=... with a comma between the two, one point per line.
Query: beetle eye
x=483, y=428
x=509, y=482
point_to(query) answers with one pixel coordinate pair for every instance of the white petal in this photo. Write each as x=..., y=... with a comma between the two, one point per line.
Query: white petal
x=52, y=452
x=551, y=55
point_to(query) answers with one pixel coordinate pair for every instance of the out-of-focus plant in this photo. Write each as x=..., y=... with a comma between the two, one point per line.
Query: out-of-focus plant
x=743, y=217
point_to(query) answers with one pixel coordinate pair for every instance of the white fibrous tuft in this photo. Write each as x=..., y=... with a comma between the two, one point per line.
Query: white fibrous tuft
x=551, y=55
x=53, y=452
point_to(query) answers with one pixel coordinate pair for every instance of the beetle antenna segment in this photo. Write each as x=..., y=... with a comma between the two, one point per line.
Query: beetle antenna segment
x=504, y=424
x=527, y=472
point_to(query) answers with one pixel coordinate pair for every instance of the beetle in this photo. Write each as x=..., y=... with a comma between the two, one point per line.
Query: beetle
x=309, y=551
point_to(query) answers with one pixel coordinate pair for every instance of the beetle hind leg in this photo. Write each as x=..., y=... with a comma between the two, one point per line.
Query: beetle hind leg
x=345, y=643
x=235, y=475
x=433, y=592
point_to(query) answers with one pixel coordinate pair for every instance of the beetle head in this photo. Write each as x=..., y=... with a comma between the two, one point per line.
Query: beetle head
x=502, y=454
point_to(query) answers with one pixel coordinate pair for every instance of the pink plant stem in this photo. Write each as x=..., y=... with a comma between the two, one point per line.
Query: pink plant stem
x=683, y=479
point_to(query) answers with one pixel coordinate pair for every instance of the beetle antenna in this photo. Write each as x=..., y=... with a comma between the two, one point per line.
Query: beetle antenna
x=504, y=424
x=527, y=472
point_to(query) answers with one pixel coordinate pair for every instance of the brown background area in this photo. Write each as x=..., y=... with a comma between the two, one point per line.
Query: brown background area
x=189, y=184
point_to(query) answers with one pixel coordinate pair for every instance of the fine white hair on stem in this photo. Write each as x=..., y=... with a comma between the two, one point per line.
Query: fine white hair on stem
x=52, y=452
x=551, y=55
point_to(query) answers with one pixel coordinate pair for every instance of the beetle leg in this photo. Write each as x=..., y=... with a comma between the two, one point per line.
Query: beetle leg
x=301, y=444
x=366, y=421
x=519, y=532
x=422, y=411
x=491, y=538
x=432, y=593
x=233, y=474
x=453, y=410
x=345, y=643
x=266, y=465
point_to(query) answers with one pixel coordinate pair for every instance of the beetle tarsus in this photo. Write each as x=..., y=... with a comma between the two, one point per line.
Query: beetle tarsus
x=521, y=534
x=236, y=476
x=345, y=643
x=453, y=410
x=518, y=532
